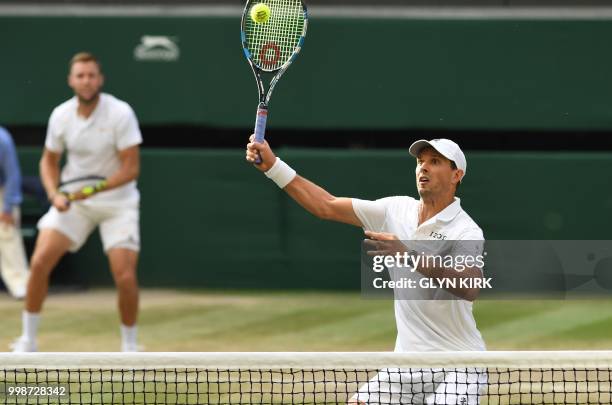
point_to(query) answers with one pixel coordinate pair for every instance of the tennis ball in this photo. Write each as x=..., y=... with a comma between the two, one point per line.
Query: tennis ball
x=260, y=13
x=88, y=190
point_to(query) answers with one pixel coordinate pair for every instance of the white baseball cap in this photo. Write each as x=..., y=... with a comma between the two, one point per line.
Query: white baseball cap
x=446, y=147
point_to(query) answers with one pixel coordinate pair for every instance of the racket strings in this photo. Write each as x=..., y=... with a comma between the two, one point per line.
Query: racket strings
x=273, y=43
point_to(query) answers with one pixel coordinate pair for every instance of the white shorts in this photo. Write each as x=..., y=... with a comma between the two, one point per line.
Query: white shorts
x=119, y=227
x=424, y=386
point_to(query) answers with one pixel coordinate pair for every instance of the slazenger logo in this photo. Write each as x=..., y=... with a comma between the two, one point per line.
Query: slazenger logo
x=157, y=48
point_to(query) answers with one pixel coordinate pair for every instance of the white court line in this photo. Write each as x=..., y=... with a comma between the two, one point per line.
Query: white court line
x=386, y=12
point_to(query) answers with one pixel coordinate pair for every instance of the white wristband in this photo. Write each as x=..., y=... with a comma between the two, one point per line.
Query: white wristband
x=281, y=173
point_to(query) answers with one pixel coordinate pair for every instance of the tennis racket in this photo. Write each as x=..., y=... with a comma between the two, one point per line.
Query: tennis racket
x=271, y=46
x=88, y=185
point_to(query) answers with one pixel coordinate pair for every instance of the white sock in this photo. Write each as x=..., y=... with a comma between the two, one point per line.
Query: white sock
x=30, y=324
x=128, y=335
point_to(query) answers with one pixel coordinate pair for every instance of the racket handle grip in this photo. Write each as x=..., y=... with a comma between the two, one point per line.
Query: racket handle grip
x=260, y=126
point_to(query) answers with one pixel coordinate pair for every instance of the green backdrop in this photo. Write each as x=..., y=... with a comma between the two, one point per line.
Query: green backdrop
x=211, y=220
x=353, y=72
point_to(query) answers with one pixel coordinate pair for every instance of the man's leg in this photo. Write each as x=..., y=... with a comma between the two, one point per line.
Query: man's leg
x=392, y=386
x=123, y=264
x=461, y=386
x=51, y=245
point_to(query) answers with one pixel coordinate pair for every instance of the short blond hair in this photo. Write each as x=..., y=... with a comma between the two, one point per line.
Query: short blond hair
x=84, y=57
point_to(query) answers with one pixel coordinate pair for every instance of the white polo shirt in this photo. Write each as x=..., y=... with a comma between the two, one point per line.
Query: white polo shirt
x=432, y=324
x=93, y=143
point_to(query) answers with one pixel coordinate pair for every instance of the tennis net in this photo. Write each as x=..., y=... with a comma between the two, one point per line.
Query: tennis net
x=553, y=377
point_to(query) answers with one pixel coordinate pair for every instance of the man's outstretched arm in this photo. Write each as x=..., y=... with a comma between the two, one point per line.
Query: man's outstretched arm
x=313, y=198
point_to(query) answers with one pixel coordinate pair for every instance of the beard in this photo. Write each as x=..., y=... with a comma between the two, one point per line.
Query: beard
x=89, y=100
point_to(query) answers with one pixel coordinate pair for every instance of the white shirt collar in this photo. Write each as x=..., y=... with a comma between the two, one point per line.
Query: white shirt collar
x=449, y=213
x=446, y=215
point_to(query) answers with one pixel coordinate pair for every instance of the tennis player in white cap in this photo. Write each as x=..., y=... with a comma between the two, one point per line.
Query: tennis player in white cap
x=422, y=325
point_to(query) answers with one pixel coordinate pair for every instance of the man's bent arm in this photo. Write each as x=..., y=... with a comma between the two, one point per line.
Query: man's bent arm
x=388, y=244
x=50, y=171
x=129, y=169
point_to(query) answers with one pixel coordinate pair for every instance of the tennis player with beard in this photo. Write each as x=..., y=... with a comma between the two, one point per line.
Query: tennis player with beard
x=100, y=136
x=439, y=323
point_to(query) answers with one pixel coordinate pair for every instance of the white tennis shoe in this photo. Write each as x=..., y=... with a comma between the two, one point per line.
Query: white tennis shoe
x=23, y=345
x=131, y=348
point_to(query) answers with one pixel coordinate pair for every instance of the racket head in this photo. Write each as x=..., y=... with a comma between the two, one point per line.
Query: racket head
x=72, y=186
x=271, y=46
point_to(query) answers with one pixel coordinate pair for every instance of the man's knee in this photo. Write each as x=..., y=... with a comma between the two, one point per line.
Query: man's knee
x=51, y=245
x=43, y=261
x=37, y=265
x=125, y=277
x=123, y=264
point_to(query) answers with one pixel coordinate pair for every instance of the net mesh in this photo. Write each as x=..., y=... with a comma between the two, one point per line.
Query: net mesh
x=272, y=43
x=261, y=378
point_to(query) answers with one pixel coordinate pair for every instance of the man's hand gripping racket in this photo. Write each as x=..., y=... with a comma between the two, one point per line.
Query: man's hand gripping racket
x=78, y=189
